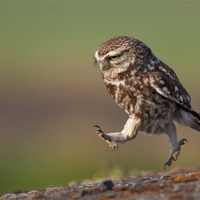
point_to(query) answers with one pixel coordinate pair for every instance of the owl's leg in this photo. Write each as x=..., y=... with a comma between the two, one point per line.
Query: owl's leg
x=128, y=133
x=175, y=145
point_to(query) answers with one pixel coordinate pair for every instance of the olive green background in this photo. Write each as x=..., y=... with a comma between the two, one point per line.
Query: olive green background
x=51, y=93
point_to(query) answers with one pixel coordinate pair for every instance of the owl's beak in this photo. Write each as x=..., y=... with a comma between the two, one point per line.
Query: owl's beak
x=103, y=67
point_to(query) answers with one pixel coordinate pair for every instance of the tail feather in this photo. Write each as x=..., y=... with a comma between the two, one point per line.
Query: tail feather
x=190, y=118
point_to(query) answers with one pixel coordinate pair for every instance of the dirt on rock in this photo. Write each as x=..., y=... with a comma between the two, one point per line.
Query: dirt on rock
x=175, y=185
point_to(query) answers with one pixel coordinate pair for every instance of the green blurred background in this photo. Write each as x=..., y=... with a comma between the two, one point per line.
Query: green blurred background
x=51, y=94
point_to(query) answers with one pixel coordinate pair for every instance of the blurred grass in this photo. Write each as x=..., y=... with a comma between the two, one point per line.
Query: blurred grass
x=51, y=93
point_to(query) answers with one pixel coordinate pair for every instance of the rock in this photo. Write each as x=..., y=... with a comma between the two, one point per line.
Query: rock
x=106, y=185
x=176, y=185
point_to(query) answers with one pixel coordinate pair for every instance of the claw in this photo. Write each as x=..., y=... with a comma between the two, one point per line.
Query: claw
x=105, y=137
x=168, y=162
x=183, y=141
x=113, y=146
x=98, y=127
x=101, y=134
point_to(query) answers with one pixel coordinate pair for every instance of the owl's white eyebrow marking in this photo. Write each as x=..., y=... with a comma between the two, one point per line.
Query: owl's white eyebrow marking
x=96, y=55
x=111, y=53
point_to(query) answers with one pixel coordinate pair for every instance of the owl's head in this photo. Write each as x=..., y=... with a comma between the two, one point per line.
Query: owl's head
x=118, y=54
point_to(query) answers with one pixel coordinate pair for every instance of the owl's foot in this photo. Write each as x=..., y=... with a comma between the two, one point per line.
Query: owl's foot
x=175, y=153
x=106, y=137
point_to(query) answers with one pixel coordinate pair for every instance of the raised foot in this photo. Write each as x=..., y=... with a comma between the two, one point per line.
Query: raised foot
x=175, y=153
x=105, y=137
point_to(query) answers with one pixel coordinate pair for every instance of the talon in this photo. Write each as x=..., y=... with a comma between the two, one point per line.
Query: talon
x=99, y=131
x=113, y=145
x=183, y=141
x=168, y=162
x=175, y=155
x=106, y=137
x=98, y=128
x=102, y=134
x=165, y=165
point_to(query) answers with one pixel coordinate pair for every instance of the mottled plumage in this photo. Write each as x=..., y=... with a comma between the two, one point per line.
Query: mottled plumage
x=147, y=90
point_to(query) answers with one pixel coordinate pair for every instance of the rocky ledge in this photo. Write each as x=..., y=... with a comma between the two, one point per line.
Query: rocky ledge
x=175, y=185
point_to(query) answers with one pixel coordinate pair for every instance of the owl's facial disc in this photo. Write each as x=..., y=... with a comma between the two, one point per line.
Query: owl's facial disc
x=111, y=60
x=115, y=62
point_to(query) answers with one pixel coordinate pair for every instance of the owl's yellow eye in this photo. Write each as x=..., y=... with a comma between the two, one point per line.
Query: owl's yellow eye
x=113, y=58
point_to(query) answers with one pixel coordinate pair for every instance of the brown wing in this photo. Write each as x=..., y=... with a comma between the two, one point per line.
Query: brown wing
x=167, y=84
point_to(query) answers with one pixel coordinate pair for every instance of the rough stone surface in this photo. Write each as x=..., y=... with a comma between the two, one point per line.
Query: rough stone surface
x=176, y=185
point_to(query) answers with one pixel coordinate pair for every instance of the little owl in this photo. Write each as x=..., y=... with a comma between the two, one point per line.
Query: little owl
x=147, y=90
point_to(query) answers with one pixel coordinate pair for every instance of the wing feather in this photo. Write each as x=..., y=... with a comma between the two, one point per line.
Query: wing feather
x=171, y=88
x=166, y=83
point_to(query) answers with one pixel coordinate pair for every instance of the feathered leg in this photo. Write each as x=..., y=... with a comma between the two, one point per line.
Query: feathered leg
x=128, y=133
x=175, y=145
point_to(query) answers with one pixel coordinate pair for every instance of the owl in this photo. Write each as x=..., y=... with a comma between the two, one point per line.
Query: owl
x=148, y=90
